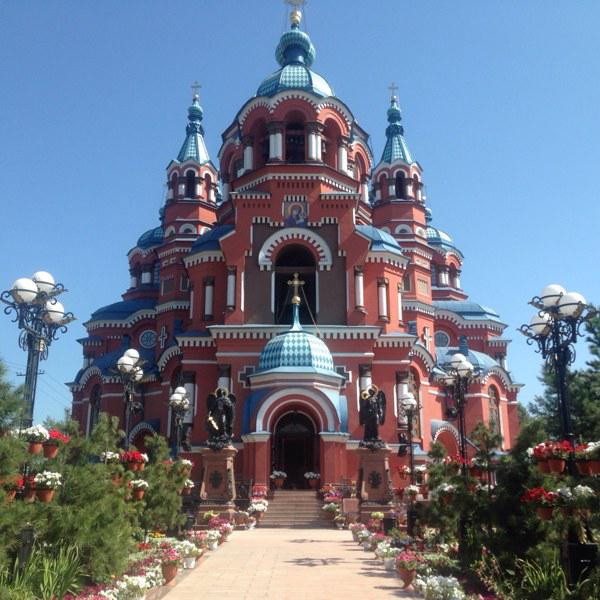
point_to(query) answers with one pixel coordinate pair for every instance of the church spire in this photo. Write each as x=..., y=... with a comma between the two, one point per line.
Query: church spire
x=395, y=145
x=193, y=147
x=295, y=46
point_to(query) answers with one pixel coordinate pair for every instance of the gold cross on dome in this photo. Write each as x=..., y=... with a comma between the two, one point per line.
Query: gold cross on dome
x=196, y=89
x=393, y=89
x=295, y=3
x=296, y=282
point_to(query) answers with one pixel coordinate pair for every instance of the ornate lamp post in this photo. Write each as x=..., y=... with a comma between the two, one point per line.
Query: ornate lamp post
x=180, y=404
x=40, y=317
x=408, y=404
x=555, y=328
x=459, y=374
x=129, y=367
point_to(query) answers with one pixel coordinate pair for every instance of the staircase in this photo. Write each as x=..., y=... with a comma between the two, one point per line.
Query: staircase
x=295, y=509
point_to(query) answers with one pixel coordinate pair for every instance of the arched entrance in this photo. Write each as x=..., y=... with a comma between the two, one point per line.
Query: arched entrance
x=295, y=448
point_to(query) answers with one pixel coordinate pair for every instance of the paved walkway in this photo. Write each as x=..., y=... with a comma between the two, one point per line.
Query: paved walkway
x=289, y=564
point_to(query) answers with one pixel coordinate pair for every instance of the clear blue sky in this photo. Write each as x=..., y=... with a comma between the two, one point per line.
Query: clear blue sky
x=500, y=103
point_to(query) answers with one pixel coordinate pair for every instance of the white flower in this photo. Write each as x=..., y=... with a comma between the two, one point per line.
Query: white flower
x=583, y=491
x=278, y=475
x=412, y=489
x=530, y=452
x=565, y=493
x=139, y=484
x=48, y=480
x=184, y=462
x=144, y=457
x=436, y=587
x=420, y=468
x=189, y=484
x=445, y=488
x=37, y=433
x=110, y=457
x=311, y=475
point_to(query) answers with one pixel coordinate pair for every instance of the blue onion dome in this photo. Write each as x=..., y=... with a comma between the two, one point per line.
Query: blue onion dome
x=394, y=114
x=295, y=54
x=195, y=112
x=428, y=214
x=152, y=237
x=296, y=350
x=396, y=147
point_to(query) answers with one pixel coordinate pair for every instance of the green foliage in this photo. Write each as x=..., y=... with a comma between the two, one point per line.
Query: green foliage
x=11, y=403
x=50, y=573
x=162, y=502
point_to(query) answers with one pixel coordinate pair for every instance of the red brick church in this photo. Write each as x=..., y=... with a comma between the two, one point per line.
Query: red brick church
x=296, y=190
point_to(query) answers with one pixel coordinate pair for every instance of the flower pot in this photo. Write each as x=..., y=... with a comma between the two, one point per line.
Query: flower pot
x=543, y=466
x=189, y=562
x=556, y=465
x=28, y=496
x=389, y=563
x=45, y=496
x=10, y=495
x=132, y=466
x=583, y=467
x=35, y=447
x=279, y=483
x=312, y=483
x=407, y=576
x=140, y=466
x=138, y=494
x=116, y=480
x=169, y=571
x=213, y=545
x=545, y=512
x=594, y=467
x=186, y=491
x=50, y=450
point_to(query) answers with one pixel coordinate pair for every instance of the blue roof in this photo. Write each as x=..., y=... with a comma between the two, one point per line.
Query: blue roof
x=395, y=145
x=121, y=310
x=193, y=147
x=210, y=239
x=477, y=359
x=152, y=237
x=381, y=241
x=107, y=362
x=468, y=310
x=295, y=54
x=296, y=350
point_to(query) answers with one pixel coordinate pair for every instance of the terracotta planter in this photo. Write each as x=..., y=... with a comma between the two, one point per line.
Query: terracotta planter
x=583, y=467
x=545, y=512
x=35, y=447
x=50, y=450
x=543, y=466
x=186, y=491
x=45, y=496
x=138, y=494
x=446, y=498
x=278, y=483
x=132, y=466
x=28, y=496
x=556, y=465
x=407, y=576
x=116, y=480
x=313, y=483
x=169, y=571
x=594, y=467
x=140, y=466
x=10, y=495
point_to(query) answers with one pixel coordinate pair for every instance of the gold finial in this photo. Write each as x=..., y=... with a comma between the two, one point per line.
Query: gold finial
x=393, y=89
x=296, y=13
x=296, y=282
x=196, y=90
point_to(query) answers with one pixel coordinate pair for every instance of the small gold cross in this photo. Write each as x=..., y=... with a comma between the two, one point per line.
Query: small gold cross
x=296, y=282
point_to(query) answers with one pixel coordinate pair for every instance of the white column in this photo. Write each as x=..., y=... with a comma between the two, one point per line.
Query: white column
x=400, y=303
x=382, y=296
x=181, y=189
x=364, y=192
x=456, y=282
x=248, y=157
x=279, y=145
x=342, y=158
x=364, y=376
x=378, y=192
x=198, y=189
x=225, y=190
x=224, y=377
x=312, y=145
x=209, y=293
x=401, y=391
x=146, y=277
x=231, y=288
x=133, y=282
x=319, y=143
x=271, y=145
x=359, y=289
x=392, y=190
x=444, y=278
x=170, y=194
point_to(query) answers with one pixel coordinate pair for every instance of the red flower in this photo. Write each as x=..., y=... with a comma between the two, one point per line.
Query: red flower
x=539, y=496
x=58, y=436
x=132, y=456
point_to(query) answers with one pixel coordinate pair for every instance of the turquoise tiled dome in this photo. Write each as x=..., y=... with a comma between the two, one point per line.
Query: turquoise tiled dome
x=152, y=237
x=296, y=349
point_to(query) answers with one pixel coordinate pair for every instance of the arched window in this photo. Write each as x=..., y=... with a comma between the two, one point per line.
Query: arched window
x=416, y=187
x=383, y=187
x=294, y=142
x=406, y=283
x=400, y=185
x=208, y=187
x=174, y=183
x=190, y=184
x=95, y=406
x=295, y=259
x=494, y=410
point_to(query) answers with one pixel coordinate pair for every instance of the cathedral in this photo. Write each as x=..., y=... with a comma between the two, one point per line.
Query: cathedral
x=296, y=271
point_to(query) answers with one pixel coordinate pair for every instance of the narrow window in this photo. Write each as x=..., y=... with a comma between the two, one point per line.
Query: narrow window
x=190, y=184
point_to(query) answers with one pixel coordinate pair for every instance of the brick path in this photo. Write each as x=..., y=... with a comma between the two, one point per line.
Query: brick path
x=289, y=564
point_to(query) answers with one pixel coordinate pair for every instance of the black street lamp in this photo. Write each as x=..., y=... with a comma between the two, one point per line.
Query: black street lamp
x=408, y=404
x=40, y=317
x=180, y=404
x=555, y=328
x=129, y=368
x=459, y=373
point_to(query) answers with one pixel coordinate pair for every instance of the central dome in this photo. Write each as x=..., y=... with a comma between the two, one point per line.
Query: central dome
x=295, y=53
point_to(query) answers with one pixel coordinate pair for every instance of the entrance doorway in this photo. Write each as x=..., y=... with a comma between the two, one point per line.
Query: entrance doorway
x=295, y=449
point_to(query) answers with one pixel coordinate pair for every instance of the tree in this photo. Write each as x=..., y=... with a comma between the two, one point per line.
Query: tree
x=11, y=402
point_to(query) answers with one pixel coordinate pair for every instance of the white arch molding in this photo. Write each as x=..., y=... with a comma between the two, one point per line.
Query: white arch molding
x=298, y=395
x=143, y=426
x=314, y=240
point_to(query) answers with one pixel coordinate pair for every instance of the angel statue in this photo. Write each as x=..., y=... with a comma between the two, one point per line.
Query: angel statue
x=372, y=414
x=219, y=418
